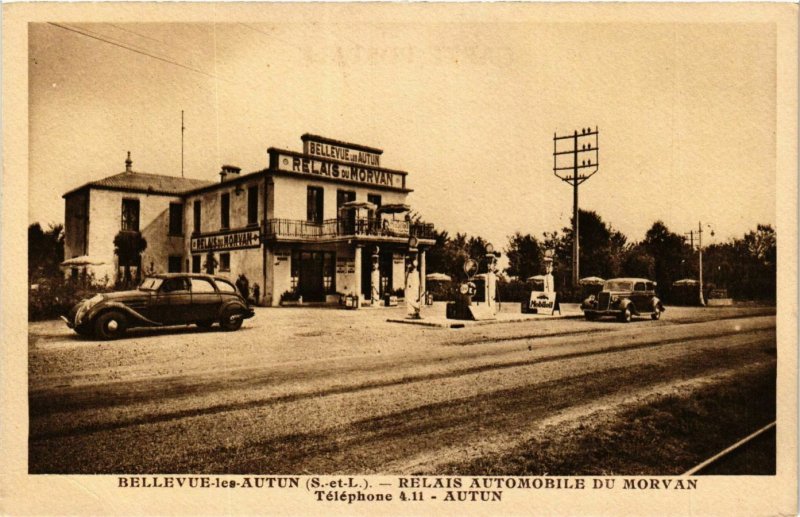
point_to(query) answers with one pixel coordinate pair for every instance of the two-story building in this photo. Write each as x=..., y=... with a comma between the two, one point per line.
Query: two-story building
x=313, y=225
x=151, y=204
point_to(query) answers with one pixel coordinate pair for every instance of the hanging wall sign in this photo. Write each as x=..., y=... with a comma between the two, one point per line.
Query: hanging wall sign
x=226, y=241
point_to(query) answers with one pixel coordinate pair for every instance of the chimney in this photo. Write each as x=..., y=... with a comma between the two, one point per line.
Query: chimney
x=229, y=172
x=128, y=163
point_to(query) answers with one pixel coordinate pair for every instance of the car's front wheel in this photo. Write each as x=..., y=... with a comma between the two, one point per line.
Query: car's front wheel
x=83, y=331
x=626, y=315
x=656, y=314
x=110, y=325
x=231, y=320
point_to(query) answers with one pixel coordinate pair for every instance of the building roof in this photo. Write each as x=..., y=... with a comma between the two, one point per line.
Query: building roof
x=146, y=183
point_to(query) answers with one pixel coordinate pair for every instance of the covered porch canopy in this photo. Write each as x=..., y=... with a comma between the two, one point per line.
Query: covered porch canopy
x=83, y=260
x=438, y=277
x=358, y=206
x=394, y=208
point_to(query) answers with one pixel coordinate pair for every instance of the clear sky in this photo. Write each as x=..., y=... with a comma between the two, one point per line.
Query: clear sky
x=686, y=112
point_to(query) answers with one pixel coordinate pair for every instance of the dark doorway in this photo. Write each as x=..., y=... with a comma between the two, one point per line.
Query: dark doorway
x=174, y=264
x=386, y=265
x=366, y=273
x=315, y=274
x=347, y=220
x=310, y=281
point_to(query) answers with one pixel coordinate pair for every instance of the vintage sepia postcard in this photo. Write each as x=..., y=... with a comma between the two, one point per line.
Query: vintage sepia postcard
x=399, y=259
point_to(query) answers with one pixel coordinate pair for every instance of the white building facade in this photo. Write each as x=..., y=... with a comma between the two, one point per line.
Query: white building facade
x=312, y=227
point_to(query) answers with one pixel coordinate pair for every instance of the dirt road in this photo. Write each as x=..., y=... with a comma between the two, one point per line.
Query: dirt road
x=305, y=391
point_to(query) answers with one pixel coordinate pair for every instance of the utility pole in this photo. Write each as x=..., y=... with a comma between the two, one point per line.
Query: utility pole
x=700, y=260
x=699, y=255
x=585, y=153
x=182, y=130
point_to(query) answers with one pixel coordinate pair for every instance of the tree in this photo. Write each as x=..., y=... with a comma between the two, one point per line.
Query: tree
x=562, y=260
x=669, y=253
x=45, y=251
x=524, y=256
x=128, y=246
x=638, y=262
x=602, y=248
x=476, y=250
x=761, y=244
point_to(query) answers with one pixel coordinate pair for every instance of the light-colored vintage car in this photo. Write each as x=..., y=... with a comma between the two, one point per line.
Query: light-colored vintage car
x=160, y=300
x=624, y=298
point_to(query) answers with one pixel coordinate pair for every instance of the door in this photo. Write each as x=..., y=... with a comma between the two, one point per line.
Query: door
x=206, y=300
x=348, y=218
x=386, y=266
x=310, y=284
x=366, y=274
x=173, y=304
x=640, y=298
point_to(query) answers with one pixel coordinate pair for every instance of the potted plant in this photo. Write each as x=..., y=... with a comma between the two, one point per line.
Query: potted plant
x=391, y=299
x=352, y=301
x=291, y=298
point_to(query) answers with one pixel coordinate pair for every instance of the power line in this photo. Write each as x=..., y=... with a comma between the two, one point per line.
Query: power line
x=132, y=49
x=179, y=48
x=271, y=36
x=138, y=34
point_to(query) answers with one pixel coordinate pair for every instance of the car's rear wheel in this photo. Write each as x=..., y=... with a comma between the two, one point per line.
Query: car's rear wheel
x=110, y=325
x=231, y=320
x=626, y=315
x=205, y=324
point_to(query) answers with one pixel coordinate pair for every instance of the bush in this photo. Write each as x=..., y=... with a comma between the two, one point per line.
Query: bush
x=53, y=296
x=570, y=295
x=442, y=291
x=290, y=296
x=513, y=290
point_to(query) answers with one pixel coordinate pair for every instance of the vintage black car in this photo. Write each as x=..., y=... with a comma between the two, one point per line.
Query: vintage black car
x=168, y=299
x=624, y=298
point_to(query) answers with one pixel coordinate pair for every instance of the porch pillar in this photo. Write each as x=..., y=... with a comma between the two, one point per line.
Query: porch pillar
x=357, y=279
x=422, y=283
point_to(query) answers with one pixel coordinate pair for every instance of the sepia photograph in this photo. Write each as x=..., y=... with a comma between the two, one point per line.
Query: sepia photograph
x=408, y=253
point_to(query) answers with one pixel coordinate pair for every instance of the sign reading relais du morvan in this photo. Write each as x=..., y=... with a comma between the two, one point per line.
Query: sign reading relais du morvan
x=302, y=164
x=237, y=239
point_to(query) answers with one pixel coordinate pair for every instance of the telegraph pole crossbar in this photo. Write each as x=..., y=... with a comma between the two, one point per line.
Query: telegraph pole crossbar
x=585, y=146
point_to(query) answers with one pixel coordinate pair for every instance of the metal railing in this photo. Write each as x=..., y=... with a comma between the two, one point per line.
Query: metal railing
x=343, y=227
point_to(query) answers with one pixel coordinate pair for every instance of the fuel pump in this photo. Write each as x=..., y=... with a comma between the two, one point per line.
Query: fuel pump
x=463, y=307
x=375, y=279
x=491, y=278
x=412, y=291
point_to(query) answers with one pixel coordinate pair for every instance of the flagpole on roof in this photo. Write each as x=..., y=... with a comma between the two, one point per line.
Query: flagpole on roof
x=182, y=130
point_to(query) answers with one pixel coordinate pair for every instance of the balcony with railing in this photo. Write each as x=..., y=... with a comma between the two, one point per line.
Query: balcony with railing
x=372, y=228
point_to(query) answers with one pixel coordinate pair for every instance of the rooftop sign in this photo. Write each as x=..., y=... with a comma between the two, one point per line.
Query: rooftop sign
x=304, y=164
x=343, y=151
